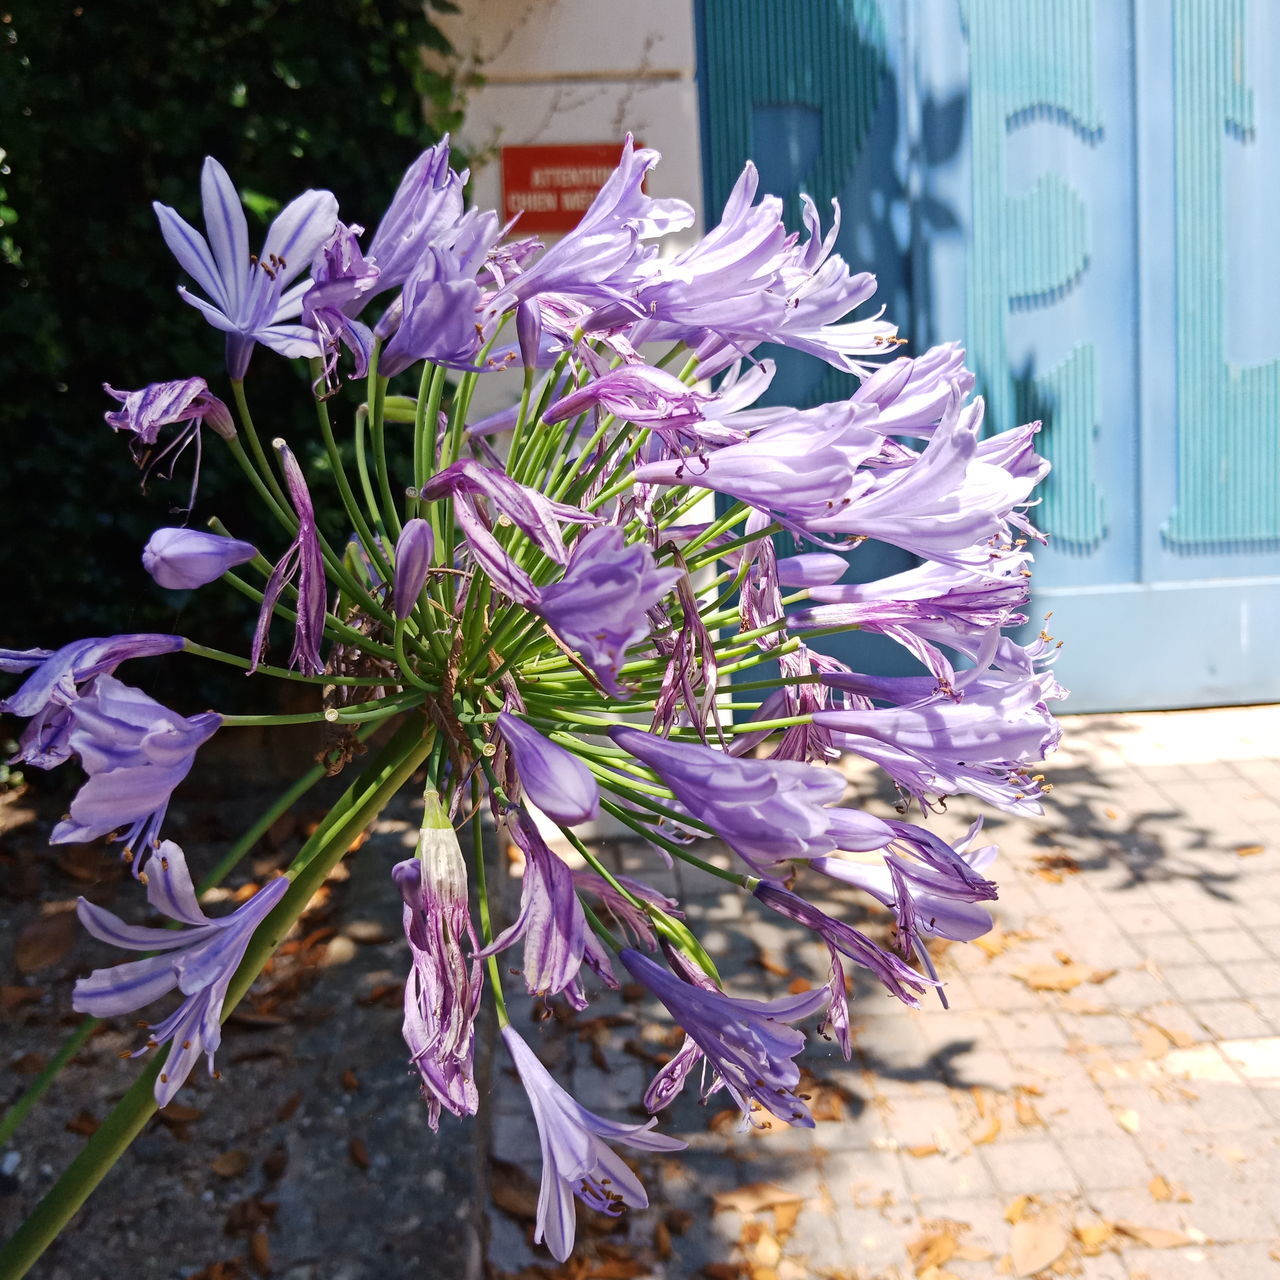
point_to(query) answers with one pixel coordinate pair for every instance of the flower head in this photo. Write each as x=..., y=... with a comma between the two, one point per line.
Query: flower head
x=198, y=961
x=246, y=294
x=576, y=1157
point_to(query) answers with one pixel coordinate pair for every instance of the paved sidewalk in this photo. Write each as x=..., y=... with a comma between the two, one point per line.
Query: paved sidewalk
x=1102, y=1099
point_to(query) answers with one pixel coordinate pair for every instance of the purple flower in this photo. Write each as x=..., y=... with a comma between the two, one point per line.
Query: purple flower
x=425, y=209
x=438, y=316
x=135, y=752
x=981, y=743
x=186, y=404
x=934, y=888
x=825, y=294
x=598, y=607
x=305, y=561
x=442, y=994
x=795, y=468
x=943, y=503
x=934, y=893
x=247, y=296
x=766, y=811
x=911, y=396
x=551, y=921
x=922, y=608
x=164, y=404
x=342, y=278
x=649, y=398
x=576, y=1159
x=183, y=559
x=535, y=515
x=634, y=923
x=729, y=282
x=49, y=693
x=414, y=549
x=599, y=260
x=744, y=1042
x=816, y=290
x=844, y=940
x=811, y=569
x=198, y=961
x=553, y=778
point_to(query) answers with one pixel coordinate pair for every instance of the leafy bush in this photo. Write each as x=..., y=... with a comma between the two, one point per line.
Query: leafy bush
x=106, y=108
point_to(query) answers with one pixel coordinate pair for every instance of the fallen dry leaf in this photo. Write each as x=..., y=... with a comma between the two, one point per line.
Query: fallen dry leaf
x=767, y=1251
x=1153, y=1042
x=260, y=1251
x=1017, y=1207
x=1155, y=1237
x=929, y=1251
x=754, y=1197
x=1028, y=1117
x=1078, y=1004
x=1060, y=977
x=12, y=998
x=1249, y=850
x=1093, y=1237
x=359, y=1153
x=995, y=942
x=987, y=1132
x=618, y=1269
x=230, y=1164
x=770, y=964
x=85, y=1123
x=784, y=1218
x=44, y=942
x=1037, y=1241
x=922, y=1149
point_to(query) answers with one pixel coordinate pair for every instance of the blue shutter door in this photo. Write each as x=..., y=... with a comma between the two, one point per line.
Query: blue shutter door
x=1080, y=189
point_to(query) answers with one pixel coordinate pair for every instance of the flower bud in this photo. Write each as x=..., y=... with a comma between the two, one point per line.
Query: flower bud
x=553, y=778
x=811, y=569
x=414, y=549
x=183, y=559
x=529, y=331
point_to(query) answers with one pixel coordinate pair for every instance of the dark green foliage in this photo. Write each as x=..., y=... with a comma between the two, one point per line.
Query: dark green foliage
x=106, y=105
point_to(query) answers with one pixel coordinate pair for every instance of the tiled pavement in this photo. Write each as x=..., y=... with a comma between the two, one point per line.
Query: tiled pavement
x=1108, y=1075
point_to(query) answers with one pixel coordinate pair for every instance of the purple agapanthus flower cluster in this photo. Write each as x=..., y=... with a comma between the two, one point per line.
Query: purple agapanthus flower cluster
x=567, y=609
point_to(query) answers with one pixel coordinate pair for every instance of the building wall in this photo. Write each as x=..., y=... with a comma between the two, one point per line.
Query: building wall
x=563, y=71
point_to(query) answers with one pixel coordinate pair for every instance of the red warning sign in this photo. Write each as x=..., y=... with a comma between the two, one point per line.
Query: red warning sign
x=550, y=187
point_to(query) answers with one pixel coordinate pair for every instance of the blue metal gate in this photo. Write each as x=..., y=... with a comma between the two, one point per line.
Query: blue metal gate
x=1082, y=191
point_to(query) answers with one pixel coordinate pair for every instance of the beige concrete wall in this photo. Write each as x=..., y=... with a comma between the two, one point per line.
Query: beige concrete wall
x=581, y=71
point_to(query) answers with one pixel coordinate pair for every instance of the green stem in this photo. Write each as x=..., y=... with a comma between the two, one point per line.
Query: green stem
x=372, y=544
x=683, y=854
x=235, y=660
x=255, y=445
x=482, y=900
